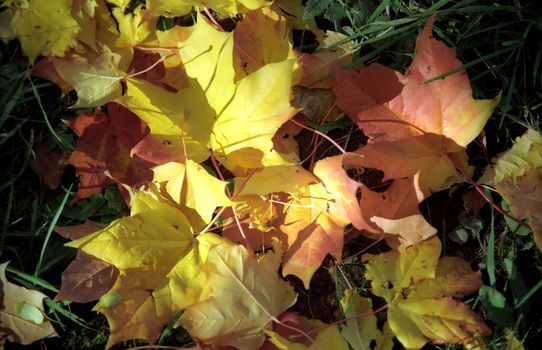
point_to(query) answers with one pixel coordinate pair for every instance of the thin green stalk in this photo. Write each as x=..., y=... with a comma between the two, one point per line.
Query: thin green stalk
x=50, y=230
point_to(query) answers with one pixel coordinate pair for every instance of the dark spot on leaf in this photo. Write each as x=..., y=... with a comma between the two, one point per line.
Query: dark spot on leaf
x=166, y=142
x=286, y=136
x=389, y=285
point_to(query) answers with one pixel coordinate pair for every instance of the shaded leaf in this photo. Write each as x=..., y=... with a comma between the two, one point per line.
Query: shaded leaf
x=21, y=313
x=86, y=279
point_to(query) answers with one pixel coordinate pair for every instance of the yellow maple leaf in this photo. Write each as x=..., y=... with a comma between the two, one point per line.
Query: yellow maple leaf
x=193, y=186
x=328, y=338
x=236, y=120
x=247, y=294
x=260, y=38
x=95, y=76
x=155, y=235
x=517, y=176
x=162, y=267
x=141, y=302
x=174, y=8
x=249, y=112
x=178, y=121
x=361, y=331
x=43, y=28
x=420, y=291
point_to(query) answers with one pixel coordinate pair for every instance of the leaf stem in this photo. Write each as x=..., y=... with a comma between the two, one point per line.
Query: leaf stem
x=481, y=192
x=321, y=134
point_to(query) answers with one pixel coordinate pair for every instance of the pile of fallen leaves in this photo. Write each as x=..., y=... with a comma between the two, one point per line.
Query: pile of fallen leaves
x=197, y=127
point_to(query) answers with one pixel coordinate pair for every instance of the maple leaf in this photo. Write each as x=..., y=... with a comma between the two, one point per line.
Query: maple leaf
x=95, y=77
x=144, y=247
x=49, y=163
x=104, y=143
x=247, y=294
x=173, y=130
x=45, y=69
x=259, y=115
x=328, y=338
x=420, y=291
x=22, y=317
x=261, y=37
x=362, y=331
x=47, y=29
x=334, y=52
x=517, y=177
x=212, y=104
x=389, y=106
x=433, y=157
x=155, y=235
x=191, y=185
x=86, y=278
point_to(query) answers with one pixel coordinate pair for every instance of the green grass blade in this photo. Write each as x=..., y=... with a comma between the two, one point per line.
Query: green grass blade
x=50, y=230
x=529, y=294
x=36, y=281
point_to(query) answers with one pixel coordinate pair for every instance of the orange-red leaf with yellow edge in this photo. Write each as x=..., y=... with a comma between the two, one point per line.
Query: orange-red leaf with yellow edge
x=311, y=234
x=420, y=291
x=389, y=106
x=433, y=157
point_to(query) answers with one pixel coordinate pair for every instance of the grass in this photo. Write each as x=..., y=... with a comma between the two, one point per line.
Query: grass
x=500, y=46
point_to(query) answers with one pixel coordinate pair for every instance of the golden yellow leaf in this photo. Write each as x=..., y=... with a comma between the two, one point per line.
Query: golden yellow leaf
x=178, y=121
x=419, y=290
x=95, y=77
x=193, y=186
x=44, y=28
x=517, y=176
x=362, y=331
x=247, y=294
x=260, y=38
x=155, y=235
x=248, y=113
x=328, y=338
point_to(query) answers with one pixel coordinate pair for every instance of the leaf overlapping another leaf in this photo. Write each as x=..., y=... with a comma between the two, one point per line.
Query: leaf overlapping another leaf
x=420, y=291
x=186, y=94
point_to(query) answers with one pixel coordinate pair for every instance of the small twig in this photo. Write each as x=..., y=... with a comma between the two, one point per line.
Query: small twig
x=212, y=18
x=321, y=134
x=147, y=69
x=481, y=192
